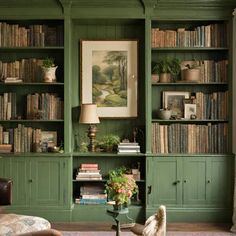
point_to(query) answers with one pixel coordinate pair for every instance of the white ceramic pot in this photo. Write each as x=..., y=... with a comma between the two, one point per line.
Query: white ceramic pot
x=49, y=74
x=164, y=114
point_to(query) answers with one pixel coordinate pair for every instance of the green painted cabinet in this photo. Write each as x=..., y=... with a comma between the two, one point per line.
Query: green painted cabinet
x=189, y=183
x=38, y=181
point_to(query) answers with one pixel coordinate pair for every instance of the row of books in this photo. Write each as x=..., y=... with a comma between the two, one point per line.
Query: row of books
x=213, y=35
x=23, y=70
x=190, y=138
x=88, y=171
x=211, y=71
x=21, y=138
x=128, y=147
x=44, y=106
x=8, y=109
x=38, y=35
x=212, y=105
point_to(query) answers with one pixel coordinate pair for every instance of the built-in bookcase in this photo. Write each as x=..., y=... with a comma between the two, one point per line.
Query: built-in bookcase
x=28, y=104
x=205, y=43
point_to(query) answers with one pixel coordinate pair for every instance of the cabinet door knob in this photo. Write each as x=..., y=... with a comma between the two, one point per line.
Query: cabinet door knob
x=30, y=180
x=176, y=182
x=185, y=181
x=208, y=181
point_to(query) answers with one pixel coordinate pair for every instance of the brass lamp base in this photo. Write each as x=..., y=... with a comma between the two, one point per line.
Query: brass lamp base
x=92, y=130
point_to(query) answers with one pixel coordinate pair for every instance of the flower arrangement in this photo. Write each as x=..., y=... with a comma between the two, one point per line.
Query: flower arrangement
x=120, y=187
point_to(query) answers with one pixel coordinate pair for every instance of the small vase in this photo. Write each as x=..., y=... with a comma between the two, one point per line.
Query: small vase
x=119, y=207
x=49, y=74
x=165, y=78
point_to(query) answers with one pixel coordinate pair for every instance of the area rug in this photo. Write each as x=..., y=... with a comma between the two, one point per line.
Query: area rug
x=103, y=233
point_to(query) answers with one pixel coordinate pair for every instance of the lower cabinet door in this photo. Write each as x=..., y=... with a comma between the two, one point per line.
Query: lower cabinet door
x=21, y=181
x=46, y=181
x=165, y=179
x=195, y=180
x=5, y=163
x=220, y=183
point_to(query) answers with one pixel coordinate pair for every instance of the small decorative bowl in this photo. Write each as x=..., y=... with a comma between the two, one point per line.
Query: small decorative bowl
x=164, y=114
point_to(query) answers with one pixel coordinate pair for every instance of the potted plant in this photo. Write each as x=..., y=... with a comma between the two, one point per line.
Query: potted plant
x=192, y=71
x=109, y=142
x=167, y=68
x=120, y=187
x=49, y=70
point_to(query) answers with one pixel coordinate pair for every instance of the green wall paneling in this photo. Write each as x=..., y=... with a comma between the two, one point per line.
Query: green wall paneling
x=112, y=30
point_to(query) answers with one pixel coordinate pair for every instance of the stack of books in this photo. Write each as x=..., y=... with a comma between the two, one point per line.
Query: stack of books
x=12, y=80
x=88, y=171
x=128, y=147
x=91, y=193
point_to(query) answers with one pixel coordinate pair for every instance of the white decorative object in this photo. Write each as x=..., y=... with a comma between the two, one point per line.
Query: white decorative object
x=49, y=74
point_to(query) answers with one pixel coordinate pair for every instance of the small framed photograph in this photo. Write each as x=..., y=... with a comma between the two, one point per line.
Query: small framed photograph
x=174, y=100
x=109, y=76
x=49, y=137
x=190, y=111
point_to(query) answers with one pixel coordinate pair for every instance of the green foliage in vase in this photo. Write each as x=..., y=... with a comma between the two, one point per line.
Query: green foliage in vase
x=48, y=62
x=109, y=142
x=120, y=187
x=167, y=65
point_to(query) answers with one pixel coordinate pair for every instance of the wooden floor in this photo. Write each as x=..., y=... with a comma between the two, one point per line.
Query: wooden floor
x=191, y=227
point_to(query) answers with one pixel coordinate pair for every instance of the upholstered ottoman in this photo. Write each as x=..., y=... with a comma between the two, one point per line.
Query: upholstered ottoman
x=12, y=224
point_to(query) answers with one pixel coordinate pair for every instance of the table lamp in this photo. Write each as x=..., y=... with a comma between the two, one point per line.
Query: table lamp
x=88, y=115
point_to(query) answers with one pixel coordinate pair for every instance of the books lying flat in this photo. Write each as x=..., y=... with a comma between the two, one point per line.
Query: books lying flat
x=124, y=148
x=5, y=148
x=12, y=80
x=90, y=201
x=94, y=196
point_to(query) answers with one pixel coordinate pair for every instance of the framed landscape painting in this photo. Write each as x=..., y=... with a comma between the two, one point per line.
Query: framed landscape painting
x=109, y=77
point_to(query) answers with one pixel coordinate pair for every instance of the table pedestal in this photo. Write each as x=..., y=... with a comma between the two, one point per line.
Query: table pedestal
x=115, y=215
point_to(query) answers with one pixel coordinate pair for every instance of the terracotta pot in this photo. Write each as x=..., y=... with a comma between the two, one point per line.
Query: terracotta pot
x=192, y=74
x=165, y=78
x=155, y=78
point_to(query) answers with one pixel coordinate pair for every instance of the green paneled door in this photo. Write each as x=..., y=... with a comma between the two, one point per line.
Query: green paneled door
x=5, y=167
x=166, y=180
x=220, y=182
x=194, y=181
x=19, y=175
x=46, y=179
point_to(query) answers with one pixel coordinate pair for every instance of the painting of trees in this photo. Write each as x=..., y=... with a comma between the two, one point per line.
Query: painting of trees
x=109, y=82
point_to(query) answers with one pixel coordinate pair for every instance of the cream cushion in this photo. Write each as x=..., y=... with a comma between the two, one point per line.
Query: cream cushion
x=12, y=224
